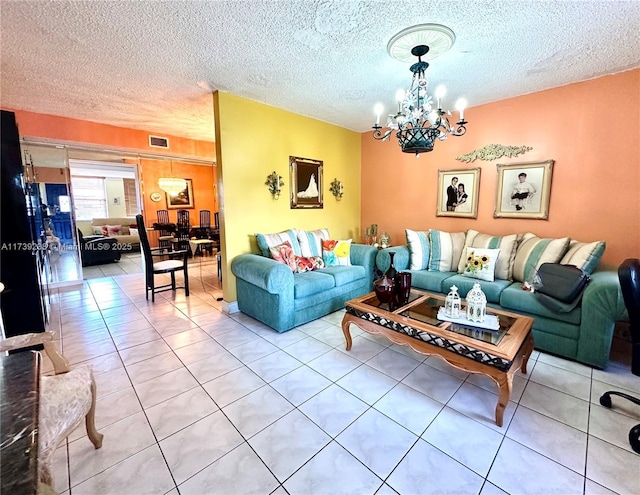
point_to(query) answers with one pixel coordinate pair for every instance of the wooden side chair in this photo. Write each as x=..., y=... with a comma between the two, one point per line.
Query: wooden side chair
x=66, y=399
x=164, y=235
x=171, y=266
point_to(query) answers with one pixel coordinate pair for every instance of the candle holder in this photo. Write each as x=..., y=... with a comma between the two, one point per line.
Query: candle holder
x=336, y=189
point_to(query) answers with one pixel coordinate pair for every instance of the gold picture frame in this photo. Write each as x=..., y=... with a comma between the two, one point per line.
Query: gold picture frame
x=458, y=192
x=306, y=182
x=523, y=190
x=183, y=200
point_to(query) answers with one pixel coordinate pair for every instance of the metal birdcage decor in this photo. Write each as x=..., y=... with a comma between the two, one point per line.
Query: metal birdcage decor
x=453, y=303
x=420, y=121
x=476, y=304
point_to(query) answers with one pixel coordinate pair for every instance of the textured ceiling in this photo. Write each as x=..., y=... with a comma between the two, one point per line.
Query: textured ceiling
x=153, y=64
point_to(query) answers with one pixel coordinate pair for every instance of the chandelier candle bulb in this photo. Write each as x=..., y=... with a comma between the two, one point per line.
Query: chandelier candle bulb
x=378, y=109
x=441, y=91
x=460, y=106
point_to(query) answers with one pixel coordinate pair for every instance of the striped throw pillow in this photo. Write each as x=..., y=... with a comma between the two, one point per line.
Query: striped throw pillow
x=419, y=249
x=507, y=245
x=584, y=255
x=446, y=250
x=311, y=241
x=533, y=251
x=266, y=241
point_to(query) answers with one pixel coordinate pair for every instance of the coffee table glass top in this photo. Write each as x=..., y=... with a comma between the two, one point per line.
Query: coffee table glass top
x=426, y=311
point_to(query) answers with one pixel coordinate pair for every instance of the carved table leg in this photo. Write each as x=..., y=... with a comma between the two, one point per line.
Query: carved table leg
x=527, y=349
x=505, y=382
x=345, y=329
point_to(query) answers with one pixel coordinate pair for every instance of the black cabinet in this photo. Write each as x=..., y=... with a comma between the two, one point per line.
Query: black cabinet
x=23, y=255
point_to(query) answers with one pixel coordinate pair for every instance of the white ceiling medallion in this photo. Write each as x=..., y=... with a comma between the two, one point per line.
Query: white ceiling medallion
x=437, y=37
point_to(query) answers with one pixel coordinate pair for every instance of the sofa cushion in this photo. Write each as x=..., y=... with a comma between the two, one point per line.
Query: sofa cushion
x=114, y=230
x=446, y=250
x=464, y=284
x=507, y=244
x=336, y=252
x=419, y=249
x=309, y=283
x=584, y=255
x=481, y=263
x=265, y=241
x=283, y=253
x=311, y=241
x=533, y=251
x=513, y=298
x=344, y=274
x=430, y=281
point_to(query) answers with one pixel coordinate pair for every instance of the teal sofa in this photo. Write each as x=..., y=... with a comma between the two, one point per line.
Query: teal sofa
x=270, y=292
x=583, y=334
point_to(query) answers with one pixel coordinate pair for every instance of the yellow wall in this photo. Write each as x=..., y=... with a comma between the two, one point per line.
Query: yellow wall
x=253, y=140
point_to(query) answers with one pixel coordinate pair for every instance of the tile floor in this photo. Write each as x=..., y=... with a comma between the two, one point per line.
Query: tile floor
x=194, y=401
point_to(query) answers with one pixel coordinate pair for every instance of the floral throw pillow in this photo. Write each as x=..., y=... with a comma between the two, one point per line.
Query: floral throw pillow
x=283, y=253
x=114, y=230
x=336, y=252
x=481, y=263
x=307, y=264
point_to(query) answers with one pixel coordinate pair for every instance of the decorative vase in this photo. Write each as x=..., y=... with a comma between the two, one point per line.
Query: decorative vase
x=476, y=304
x=453, y=303
x=391, y=271
x=385, y=290
x=403, y=288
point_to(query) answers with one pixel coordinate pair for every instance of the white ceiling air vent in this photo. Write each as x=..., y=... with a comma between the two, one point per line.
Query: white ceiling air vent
x=159, y=142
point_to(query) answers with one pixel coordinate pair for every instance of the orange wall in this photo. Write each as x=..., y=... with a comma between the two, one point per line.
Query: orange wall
x=82, y=131
x=592, y=131
x=203, y=179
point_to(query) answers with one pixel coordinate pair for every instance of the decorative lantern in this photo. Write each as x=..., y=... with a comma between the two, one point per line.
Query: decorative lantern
x=476, y=304
x=452, y=303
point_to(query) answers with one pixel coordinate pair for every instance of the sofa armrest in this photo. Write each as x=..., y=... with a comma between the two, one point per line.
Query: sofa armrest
x=363, y=255
x=265, y=273
x=400, y=260
x=602, y=305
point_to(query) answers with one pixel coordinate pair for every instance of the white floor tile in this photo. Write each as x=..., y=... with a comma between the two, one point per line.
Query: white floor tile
x=426, y=470
x=198, y=445
x=409, y=408
x=180, y=411
x=553, y=439
x=333, y=471
x=288, y=443
x=333, y=409
x=300, y=384
x=230, y=475
x=273, y=366
x=433, y=383
x=334, y=364
x=382, y=451
x=516, y=463
x=392, y=363
x=480, y=405
x=565, y=381
x=557, y=405
x=164, y=387
x=125, y=477
x=257, y=410
x=466, y=440
x=613, y=467
x=233, y=385
x=367, y=383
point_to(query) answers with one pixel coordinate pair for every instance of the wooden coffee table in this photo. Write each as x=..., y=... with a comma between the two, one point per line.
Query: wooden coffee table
x=497, y=354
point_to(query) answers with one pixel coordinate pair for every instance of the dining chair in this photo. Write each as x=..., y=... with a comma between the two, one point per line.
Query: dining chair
x=181, y=239
x=629, y=276
x=164, y=235
x=170, y=266
x=66, y=399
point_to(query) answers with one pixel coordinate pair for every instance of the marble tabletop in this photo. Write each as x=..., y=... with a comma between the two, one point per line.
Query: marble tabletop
x=19, y=388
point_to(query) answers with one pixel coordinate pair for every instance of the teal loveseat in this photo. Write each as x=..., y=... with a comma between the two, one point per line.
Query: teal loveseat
x=583, y=334
x=270, y=292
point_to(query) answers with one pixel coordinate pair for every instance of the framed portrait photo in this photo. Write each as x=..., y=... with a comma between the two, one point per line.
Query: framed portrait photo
x=523, y=190
x=182, y=200
x=306, y=182
x=458, y=192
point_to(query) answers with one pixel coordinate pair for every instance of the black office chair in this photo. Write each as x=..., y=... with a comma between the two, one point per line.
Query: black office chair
x=151, y=268
x=629, y=275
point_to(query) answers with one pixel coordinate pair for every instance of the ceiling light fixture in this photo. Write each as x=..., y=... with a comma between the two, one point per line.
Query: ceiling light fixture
x=419, y=120
x=172, y=185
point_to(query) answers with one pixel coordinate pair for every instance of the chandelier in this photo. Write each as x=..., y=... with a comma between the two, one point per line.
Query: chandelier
x=172, y=185
x=420, y=121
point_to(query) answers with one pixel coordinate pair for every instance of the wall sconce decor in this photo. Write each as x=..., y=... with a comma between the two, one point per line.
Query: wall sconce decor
x=336, y=189
x=275, y=183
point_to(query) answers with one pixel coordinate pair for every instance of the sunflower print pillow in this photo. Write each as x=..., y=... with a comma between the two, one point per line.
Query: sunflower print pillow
x=336, y=253
x=481, y=263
